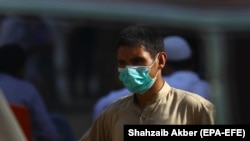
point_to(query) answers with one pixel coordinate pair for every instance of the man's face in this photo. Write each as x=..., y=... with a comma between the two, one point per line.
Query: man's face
x=134, y=56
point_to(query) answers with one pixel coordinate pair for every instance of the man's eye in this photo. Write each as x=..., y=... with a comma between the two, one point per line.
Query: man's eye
x=138, y=62
x=121, y=64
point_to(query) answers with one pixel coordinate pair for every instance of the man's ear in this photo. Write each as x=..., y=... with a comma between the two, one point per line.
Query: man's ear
x=162, y=60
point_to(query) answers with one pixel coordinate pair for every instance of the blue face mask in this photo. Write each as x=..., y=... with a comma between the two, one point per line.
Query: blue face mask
x=137, y=78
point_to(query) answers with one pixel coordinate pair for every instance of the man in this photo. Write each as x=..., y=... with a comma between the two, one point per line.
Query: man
x=141, y=58
x=179, y=73
x=21, y=92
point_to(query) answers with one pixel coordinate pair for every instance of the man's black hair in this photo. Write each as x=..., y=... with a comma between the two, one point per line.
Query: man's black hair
x=136, y=35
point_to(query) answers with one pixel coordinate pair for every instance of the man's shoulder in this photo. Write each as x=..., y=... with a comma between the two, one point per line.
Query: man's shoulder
x=191, y=98
x=112, y=96
x=122, y=102
x=15, y=81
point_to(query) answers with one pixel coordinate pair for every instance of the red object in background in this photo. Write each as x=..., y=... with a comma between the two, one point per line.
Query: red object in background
x=22, y=115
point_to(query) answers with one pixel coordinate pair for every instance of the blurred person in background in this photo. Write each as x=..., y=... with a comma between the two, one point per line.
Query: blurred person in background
x=34, y=35
x=141, y=58
x=180, y=68
x=21, y=92
x=179, y=73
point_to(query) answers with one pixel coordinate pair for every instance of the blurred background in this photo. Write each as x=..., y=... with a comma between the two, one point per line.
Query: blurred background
x=72, y=58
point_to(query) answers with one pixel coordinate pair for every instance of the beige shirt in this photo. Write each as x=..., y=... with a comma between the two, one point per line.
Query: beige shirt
x=169, y=106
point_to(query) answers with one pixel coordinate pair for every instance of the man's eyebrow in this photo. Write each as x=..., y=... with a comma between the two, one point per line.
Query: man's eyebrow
x=137, y=58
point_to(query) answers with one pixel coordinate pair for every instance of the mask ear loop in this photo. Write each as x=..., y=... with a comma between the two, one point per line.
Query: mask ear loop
x=156, y=60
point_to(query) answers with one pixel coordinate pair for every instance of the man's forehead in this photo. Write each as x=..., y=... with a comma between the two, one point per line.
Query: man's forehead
x=132, y=53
